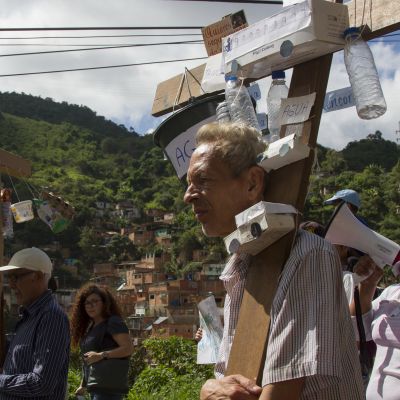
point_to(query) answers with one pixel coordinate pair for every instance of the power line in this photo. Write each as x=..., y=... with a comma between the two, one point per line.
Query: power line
x=100, y=28
x=99, y=48
x=104, y=67
x=82, y=45
x=100, y=36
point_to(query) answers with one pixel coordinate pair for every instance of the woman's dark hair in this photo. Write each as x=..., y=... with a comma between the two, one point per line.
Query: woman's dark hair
x=79, y=318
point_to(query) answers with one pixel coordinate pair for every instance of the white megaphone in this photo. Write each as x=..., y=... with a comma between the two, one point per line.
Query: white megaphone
x=345, y=229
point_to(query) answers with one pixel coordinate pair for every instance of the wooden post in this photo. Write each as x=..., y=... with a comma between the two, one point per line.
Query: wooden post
x=16, y=166
x=288, y=185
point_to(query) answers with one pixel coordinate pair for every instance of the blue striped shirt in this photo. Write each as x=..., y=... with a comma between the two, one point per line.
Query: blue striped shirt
x=36, y=365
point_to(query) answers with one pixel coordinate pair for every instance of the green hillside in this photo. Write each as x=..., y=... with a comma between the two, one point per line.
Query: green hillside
x=87, y=159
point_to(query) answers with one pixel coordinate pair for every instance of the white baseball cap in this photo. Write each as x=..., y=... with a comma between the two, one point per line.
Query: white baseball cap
x=31, y=258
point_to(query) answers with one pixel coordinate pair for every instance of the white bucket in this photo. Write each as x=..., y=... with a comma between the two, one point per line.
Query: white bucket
x=22, y=211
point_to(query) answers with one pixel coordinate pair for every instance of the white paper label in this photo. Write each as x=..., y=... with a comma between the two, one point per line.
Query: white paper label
x=262, y=33
x=254, y=91
x=296, y=109
x=262, y=120
x=338, y=99
x=213, y=77
x=180, y=149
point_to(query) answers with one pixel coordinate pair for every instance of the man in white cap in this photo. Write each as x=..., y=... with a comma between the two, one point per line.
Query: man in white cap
x=349, y=196
x=36, y=364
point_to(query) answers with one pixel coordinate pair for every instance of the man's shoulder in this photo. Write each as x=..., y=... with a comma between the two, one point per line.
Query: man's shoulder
x=54, y=311
x=307, y=242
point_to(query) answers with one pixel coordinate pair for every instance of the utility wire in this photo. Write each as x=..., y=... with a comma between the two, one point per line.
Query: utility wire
x=110, y=45
x=100, y=28
x=105, y=67
x=99, y=36
x=99, y=48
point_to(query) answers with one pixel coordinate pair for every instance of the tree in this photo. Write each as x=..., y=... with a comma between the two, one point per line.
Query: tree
x=121, y=248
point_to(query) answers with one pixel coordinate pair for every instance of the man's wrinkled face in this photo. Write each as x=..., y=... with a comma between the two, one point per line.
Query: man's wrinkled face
x=24, y=284
x=215, y=194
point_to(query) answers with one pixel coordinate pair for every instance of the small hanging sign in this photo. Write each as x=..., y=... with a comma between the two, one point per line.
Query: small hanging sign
x=339, y=99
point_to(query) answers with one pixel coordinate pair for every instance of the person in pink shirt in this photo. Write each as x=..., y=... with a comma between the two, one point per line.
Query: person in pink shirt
x=381, y=320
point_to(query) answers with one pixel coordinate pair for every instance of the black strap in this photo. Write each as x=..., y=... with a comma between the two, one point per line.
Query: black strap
x=365, y=359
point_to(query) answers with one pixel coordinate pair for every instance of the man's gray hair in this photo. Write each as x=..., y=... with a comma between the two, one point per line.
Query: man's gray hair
x=236, y=144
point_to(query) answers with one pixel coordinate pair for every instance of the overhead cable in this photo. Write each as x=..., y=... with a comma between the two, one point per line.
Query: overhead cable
x=100, y=36
x=100, y=28
x=105, y=67
x=99, y=48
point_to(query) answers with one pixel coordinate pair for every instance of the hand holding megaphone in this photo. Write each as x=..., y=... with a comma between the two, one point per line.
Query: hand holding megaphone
x=345, y=229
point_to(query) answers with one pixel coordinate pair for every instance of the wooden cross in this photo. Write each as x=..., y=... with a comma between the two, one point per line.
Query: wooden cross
x=287, y=185
x=16, y=166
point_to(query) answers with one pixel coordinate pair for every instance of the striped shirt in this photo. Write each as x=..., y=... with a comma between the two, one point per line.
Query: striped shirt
x=36, y=364
x=311, y=335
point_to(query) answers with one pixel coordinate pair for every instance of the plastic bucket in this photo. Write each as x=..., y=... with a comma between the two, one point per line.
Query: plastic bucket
x=22, y=211
x=176, y=135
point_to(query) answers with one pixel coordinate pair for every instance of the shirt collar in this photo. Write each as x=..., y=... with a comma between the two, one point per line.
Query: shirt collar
x=237, y=265
x=38, y=303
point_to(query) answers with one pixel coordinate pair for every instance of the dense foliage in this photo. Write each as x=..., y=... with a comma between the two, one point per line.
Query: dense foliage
x=87, y=159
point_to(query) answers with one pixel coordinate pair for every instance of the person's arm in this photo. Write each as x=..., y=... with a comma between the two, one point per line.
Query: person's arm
x=232, y=387
x=287, y=390
x=367, y=288
x=50, y=355
x=124, y=349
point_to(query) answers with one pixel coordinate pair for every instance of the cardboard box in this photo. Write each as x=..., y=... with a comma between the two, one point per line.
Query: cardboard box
x=283, y=152
x=259, y=226
x=213, y=34
x=297, y=34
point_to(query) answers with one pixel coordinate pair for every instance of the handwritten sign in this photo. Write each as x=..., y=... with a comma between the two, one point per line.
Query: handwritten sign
x=213, y=34
x=181, y=148
x=296, y=109
x=339, y=99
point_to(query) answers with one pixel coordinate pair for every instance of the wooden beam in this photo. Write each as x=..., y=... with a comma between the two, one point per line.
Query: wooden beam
x=14, y=165
x=287, y=185
x=382, y=19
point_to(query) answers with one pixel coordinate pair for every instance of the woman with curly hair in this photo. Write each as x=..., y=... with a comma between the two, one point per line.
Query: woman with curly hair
x=98, y=328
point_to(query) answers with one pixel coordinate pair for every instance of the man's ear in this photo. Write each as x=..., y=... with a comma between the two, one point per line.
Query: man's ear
x=256, y=181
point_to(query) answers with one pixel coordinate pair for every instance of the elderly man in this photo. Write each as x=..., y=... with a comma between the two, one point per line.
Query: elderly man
x=311, y=350
x=36, y=364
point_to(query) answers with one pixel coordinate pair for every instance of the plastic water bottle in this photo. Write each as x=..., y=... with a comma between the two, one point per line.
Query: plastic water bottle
x=222, y=112
x=276, y=93
x=239, y=103
x=363, y=76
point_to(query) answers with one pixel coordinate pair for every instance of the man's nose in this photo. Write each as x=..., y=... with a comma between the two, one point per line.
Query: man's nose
x=12, y=284
x=190, y=194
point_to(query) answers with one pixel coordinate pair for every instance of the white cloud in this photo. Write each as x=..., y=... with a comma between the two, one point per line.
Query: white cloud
x=126, y=94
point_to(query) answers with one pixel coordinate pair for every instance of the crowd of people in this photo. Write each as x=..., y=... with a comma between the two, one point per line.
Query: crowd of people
x=312, y=341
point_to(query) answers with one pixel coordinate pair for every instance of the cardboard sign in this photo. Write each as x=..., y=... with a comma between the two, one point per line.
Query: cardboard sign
x=213, y=34
x=182, y=147
x=214, y=77
x=296, y=109
x=298, y=33
x=339, y=99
